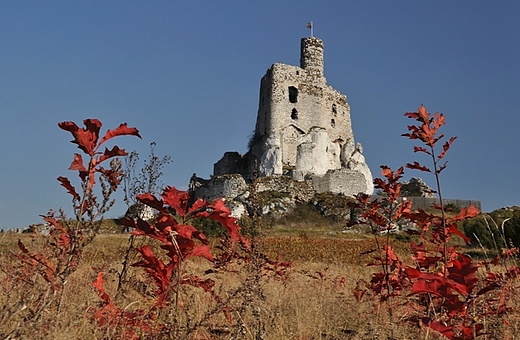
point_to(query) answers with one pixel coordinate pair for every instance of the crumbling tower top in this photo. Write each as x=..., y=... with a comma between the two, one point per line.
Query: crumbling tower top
x=311, y=57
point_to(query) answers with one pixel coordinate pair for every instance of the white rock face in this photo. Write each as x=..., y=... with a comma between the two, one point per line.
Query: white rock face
x=271, y=159
x=357, y=163
x=140, y=210
x=316, y=154
x=346, y=151
x=237, y=209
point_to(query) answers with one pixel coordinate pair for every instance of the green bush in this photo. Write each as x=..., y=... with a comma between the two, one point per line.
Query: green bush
x=488, y=229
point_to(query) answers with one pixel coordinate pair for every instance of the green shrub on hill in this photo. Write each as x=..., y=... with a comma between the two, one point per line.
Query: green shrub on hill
x=497, y=229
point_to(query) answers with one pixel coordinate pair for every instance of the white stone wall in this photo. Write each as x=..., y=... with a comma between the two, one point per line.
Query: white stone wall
x=342, y=181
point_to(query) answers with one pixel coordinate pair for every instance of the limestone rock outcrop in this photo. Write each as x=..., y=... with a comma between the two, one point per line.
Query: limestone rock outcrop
x=416, y=187
x=316, y=154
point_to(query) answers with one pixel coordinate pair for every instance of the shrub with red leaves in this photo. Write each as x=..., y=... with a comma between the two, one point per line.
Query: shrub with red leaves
x=442, y=283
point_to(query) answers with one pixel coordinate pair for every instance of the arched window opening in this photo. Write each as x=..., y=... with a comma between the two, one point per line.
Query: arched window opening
x=332, y=123
x=294, y=114
x=293, y=94
x=334, y=109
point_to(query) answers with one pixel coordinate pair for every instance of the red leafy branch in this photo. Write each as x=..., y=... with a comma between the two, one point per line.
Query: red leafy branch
x=88, y=141
x=178, y=238
x=108, y=316
x=441, y=285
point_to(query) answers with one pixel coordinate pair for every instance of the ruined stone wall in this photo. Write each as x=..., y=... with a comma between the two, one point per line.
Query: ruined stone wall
x=232, y=163
x=316, y=105
x=348, y=182
x=231, y=185
x=296, y=190
x=264, y=105
x=427, y=202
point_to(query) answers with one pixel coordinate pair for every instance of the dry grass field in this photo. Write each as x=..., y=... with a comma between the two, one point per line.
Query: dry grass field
x=313, y=300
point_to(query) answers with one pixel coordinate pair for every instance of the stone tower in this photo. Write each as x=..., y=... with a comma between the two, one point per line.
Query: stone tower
x=303, y=130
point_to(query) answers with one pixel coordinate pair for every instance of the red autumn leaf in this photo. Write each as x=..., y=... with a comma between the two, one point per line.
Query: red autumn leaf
x=150, y=200
x=440, y=286
x=417, y=166
x=465, y=213
x=144, y=228
x=116, y=151
x=427, y=135
x=403, y=208
x=196, y=281
x=422, y=114
x=440, y=327
x=390, y=253
x=198, y=206
x=185, y=230
x=85, y=138
x=22, y=247
x=218, y=211
x=166, y=223
x=452, y=229
x=49, y=271
x=55, y=223
x=462, y=271
x=160, y=273
x=442, y=167
x=386, y=171
x=428, y=129
x=412, y=115
x=413, y=273
x=64, y=241
x=227, y=313
x=77, y=163
x=121, y=130
x=358, y=292
x=507, y=253
x=202, y=251
x=446, y=147
x=438, y=138
x=176, y=199
x=421, y=149
x=70, y=189
x=380, y=184
x=392, y=186
x=414, y=132
x=98, y=284
x=438, y=120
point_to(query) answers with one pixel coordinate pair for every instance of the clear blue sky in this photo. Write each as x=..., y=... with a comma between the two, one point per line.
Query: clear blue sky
x=187, y=75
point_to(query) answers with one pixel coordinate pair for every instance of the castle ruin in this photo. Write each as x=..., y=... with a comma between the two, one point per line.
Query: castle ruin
x=303, y=131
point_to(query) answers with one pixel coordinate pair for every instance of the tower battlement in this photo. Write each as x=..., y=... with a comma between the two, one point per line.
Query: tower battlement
x=311, y=55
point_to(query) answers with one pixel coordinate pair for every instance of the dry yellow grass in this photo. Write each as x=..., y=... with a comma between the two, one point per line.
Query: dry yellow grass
x=316, y=302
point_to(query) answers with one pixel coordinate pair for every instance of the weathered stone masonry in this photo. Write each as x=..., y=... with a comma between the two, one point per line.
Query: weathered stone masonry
x=303, y=130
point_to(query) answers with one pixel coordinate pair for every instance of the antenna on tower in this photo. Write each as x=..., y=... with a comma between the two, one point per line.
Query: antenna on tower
x=311, y=27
